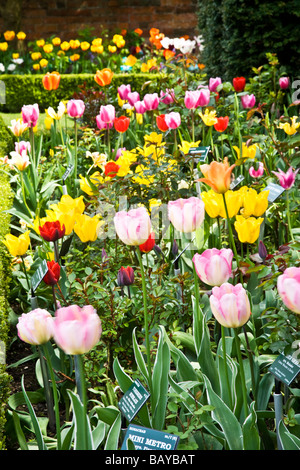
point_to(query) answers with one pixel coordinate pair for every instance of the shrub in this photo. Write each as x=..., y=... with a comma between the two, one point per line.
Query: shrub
x=28, y=89
x=238, y=34
x=6, y=139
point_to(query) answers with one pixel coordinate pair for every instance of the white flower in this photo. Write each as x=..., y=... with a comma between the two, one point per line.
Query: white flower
x=167, y=42
x=18, y=61
x=2, y=68
x=11, y=67
x=187, y=47
x=60, y=111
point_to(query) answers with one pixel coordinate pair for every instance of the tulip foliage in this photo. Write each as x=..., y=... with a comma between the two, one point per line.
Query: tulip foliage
x=159, y=244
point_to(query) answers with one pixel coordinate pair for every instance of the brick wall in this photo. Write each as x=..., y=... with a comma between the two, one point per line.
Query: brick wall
x=65, y=18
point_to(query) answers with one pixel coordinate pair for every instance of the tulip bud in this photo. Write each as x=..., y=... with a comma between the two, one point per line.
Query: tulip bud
x=52, y=231
x=288, y=285
x=262, y=250
x=284, y=82
x=125, y=276
x=52, y=276
x=213, y=266
x=35, y=327
x=230, y=305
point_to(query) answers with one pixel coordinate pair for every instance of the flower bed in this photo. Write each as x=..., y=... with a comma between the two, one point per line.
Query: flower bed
x=157, y=245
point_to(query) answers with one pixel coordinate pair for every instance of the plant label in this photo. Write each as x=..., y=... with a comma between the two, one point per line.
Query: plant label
x=236, y=181
x=199, y=153
x=285, y=368
x=133, y=400
x=275, y=191
x=39, y=275
x=68, y=171
x=149, y=439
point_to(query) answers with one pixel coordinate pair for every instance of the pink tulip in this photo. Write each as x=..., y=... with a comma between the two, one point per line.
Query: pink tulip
x=167, y=97
x=103, y=125
x=22, y=146
x=286, y=180
x=284, y=82
x=288, y=285
x=77, y=329
x=133, y=227
x=230, y=305
x=140, y=107
x=133, y=97
x=151, y=101
x=248, y=101
x=173, y=120
x=213, y=266
x=107, y=113
x=186, y=214
x=75, y=108
x=214, y=83
x=257, y=173
x=35, y=327
x=123, y=91
x=191, y=99
x=30, y=114
x=204, y=97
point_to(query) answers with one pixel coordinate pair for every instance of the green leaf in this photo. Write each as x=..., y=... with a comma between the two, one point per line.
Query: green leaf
x=113, y=434
x=160, y=383
x=82, y=429
x=251, y=438
x=139, y=358
x=35, y=423
x=288, y=440
x=19, y=431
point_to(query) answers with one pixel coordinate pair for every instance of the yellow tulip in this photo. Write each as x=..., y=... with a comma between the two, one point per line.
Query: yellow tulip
x=96, y=179
x=254, y=204
x=74, y=43
x=48, y=122
x=186, y=146
x=131, y=60
x=17, y=246
x=56, y=41
x=21, y=36
x=85, y=45
x=288, y=128
x=15, y=55
x=48, y=48
x=40, y=42
x=9, y=35
x=112, y=49
x=65, y=46
x=36, y=55
x=209, y=117
x=36, y=66
x=214, y=204
x=87, y=228
x=248, y=228
x=3, y=46
x=43, y=63
x=248, y=151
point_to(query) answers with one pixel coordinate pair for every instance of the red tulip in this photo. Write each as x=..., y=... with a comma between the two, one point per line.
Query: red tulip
x=52, y=276
x=111, y=169
x=121, y=124
x=239, y=84
x=125, y=276
x=222, y=124
x=52, y=231
x=149, y=244
x=161, y=123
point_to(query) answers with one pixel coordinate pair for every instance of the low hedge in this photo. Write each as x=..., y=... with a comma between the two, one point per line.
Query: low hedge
x=6, y=198
x=28, y=89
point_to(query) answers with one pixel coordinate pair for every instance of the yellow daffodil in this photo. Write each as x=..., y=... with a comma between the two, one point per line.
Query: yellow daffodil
x=87, y=228
x=248, y=228
x=17, y=246
x=290, y=128
x=209, y=117
x=142, y=176
x=248, y=151
x=254, y=204
x=126, y=159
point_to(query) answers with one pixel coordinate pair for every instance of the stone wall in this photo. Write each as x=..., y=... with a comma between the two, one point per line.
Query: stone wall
x=65, y=18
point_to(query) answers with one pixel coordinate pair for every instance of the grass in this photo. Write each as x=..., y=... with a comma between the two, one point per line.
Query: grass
x=8, y=117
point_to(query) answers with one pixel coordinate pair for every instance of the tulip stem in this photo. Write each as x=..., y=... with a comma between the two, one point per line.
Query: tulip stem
x=289, y=215
x=75, y=162
x=145, y=317
x=80, y=380
x=242, y=373
x=231, y=236
x=55, y=394
x=226, y=366
x=24, y=194
x=25, y=272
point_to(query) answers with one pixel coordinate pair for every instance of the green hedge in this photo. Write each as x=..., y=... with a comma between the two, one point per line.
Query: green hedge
x=28, y=89
x=238, y=33
x=6, y=198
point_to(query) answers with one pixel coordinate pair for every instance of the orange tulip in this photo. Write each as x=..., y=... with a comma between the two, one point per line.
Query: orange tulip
x=103, y=77
x=51, y=80
x=217, y=175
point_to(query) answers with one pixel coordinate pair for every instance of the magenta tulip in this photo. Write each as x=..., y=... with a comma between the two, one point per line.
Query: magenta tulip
x=35, y=327
x=191, y=99
x=204, y=97
x=103, y=125
x=140, y=107
x=186, y=214
x=230, y=305
x=167, y=97
x=173, y=120
x=133, y=97
x=248, y=101
x=77, y=329
x=133, y=227
x=214, y=83
x=151, y=101
x=75, y=108
x=286, y=180
x=288, y=286
x=30, y=114
x=257, y=173
x=107, y=113
x=213, y=266
x=284, y=82
x=22, y=147
x=123, y=91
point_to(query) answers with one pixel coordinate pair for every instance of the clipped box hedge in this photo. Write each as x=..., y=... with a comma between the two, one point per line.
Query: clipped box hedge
x=28, y=89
